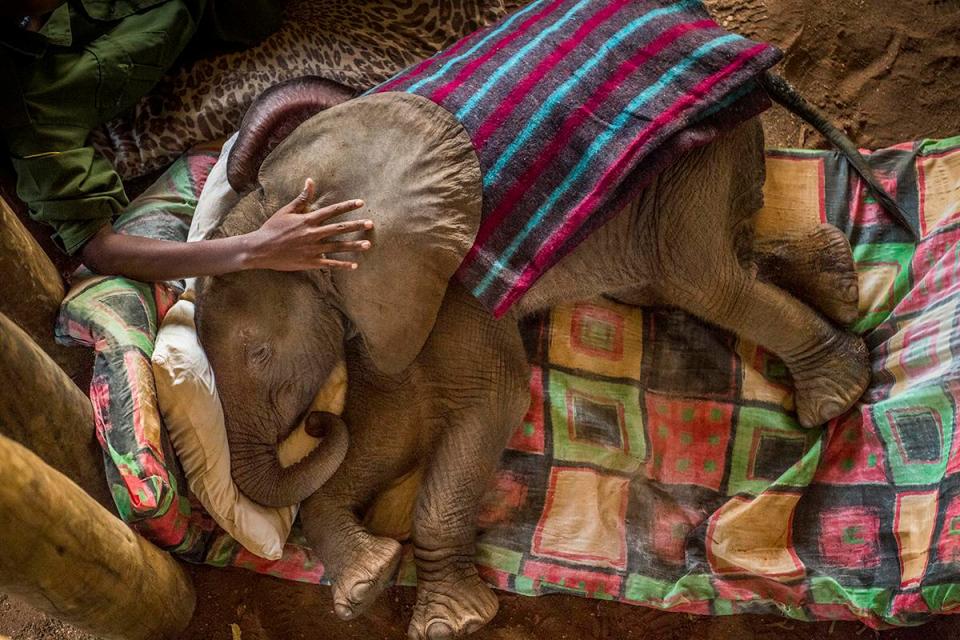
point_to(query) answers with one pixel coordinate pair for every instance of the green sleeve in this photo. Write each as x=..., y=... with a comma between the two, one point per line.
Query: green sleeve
x=58, y=95
x=72, y=189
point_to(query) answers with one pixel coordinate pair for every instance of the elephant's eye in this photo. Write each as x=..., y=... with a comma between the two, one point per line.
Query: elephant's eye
x=260, y=354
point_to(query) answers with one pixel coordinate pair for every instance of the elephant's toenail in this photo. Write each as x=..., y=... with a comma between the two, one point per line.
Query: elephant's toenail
x=830, y=410
x=439, y=631
x=360, y=591
x=343, y=611
x=472, y=626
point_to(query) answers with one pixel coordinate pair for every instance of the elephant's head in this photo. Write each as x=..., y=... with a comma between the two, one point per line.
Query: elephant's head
x=273, y=338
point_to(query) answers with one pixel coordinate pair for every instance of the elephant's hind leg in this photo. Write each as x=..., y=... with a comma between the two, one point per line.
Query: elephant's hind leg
x=829, y=366
x=816, y=266
x=698, y=223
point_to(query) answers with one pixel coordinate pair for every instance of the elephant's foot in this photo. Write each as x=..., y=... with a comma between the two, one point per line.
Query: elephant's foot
x=364, y=574
x=452, y=600
x=830, y=279
x=831, y=379
x=818, y=268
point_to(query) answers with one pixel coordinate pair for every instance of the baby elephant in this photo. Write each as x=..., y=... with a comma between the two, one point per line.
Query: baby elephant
x=447, y=160
x=434, y=378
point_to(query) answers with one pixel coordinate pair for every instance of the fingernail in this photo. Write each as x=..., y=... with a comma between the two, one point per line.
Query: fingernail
x=365, y=245
x=353, y=266
x=358, y=203
x=368, y=224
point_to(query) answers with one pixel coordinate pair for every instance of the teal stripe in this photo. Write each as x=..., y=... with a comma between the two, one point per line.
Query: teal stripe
x=452, y=61
x=517, y=57
x=576, y=173
x=561, y=92
x=726, y=102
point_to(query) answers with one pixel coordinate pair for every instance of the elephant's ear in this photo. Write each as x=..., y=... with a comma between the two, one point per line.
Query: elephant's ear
x=272, y=116
x=415, y=168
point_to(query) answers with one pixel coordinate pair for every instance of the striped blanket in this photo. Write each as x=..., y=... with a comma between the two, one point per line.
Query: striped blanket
x=573, y=106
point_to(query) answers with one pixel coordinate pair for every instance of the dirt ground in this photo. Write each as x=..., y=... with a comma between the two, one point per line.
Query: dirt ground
x=888, y=71
x=235, y=604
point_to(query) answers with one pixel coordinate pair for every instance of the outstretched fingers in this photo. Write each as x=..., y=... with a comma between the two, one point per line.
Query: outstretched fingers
x=297, y=237
x=323, y=214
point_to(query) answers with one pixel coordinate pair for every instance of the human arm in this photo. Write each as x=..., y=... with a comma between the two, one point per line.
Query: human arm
x=292, y=239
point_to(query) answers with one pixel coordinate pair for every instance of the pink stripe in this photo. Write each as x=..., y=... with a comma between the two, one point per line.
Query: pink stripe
x=569, y=127
x=586, y=206
x=492, y=50
x=424, y=64
x=546, y=65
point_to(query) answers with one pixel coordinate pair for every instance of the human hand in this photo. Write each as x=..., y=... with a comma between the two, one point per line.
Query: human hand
x=295, y=239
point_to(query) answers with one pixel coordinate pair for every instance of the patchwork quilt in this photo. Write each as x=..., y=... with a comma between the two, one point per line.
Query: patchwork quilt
x=660, y=462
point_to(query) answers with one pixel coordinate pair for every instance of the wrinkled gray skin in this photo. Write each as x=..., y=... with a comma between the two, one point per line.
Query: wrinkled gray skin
x=434, y=380
x=448, y=415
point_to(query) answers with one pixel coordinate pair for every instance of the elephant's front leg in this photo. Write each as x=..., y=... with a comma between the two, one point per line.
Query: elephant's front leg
x=358, y=563
x=452, y=600
x=384, y=445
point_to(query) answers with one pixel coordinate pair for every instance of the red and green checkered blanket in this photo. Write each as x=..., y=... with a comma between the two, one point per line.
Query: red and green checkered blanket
x=660, y=462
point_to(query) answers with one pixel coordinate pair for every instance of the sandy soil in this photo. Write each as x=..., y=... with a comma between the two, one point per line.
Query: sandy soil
x=887, y=71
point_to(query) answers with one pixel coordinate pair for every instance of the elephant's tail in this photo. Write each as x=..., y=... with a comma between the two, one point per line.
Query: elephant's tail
x=262, y=473
x=786, y=95
x=272, y=117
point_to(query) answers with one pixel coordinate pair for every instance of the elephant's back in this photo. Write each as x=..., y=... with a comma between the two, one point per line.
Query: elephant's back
x=573, y=107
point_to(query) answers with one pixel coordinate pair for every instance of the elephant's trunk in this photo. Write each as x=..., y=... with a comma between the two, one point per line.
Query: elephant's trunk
x=262, y=476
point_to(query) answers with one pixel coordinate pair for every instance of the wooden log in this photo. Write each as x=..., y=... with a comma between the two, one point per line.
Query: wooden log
x=64, y=554
x=31, y=291
x=42, y=409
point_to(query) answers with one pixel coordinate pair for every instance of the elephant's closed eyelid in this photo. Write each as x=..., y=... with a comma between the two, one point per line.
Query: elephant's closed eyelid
x=259, y=353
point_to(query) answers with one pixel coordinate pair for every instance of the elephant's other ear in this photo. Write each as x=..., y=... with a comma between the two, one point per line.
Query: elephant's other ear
x=415, y=168
x=272, y=116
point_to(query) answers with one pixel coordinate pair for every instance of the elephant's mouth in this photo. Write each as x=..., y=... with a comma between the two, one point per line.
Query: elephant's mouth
x=307, y=437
